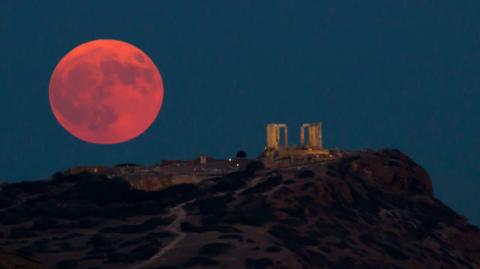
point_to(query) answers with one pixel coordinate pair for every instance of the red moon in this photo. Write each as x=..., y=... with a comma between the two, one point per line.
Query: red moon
x=106, y=92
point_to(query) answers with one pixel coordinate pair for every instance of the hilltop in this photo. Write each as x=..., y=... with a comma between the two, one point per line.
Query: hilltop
x=364, y=209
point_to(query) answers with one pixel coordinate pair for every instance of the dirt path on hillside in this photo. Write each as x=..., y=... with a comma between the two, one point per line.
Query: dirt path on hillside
x=174, y=227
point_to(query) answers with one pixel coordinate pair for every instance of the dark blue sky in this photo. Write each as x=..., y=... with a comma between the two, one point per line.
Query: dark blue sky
x=399, y=74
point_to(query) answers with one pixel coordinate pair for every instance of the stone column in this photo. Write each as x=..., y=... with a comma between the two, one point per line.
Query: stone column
x=320, y=135
x=272, y=130
x=311, y=136
x=286, y=136
x=302, y=135
x=315, y=135
x=277, y=136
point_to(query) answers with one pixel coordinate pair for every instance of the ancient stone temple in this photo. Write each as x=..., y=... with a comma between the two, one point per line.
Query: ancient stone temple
x=311, y=141
x=314, y=136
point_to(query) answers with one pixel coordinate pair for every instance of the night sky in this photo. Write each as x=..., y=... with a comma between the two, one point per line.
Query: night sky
x=379, y=74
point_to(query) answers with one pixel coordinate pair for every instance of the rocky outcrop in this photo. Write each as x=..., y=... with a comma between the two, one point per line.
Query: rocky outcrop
x=368, y=209
x=8, y=261
x=392, y=169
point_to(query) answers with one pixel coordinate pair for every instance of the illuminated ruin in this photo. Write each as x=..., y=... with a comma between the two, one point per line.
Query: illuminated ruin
x=311, y=142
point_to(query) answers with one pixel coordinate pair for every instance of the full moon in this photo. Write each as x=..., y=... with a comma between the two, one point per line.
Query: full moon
x=106, y=92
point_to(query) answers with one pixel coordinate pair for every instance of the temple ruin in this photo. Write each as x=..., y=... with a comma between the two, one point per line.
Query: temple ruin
x=314, y=135
x=311, y=141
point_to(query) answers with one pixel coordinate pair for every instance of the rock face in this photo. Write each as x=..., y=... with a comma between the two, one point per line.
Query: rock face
x=8, y=261
x=370, y=209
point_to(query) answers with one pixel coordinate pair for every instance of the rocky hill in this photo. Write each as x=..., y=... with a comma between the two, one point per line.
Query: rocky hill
x=369, y=209
x=8, y=261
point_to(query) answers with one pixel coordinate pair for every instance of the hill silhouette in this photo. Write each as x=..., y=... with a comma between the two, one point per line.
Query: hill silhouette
x=366, y=209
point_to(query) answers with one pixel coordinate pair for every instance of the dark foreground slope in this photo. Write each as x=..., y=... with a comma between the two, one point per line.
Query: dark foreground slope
x=372, y=209
x=8, y=261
